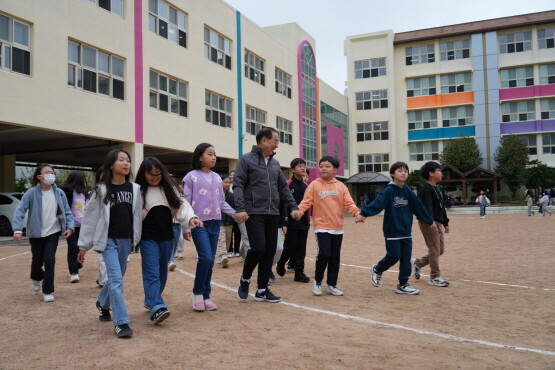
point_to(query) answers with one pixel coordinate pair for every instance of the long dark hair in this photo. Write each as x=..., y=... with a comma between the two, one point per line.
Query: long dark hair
x=107, y=175
x=199, y=151
x=76, y=181
x=167, y=183
x=39, y=168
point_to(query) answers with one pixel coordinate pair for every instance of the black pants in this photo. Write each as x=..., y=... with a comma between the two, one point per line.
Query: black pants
x=294, y=248
x=235, y=239
x=262, y=233
x=44, y=253
x=329, y=250
x=72, y=252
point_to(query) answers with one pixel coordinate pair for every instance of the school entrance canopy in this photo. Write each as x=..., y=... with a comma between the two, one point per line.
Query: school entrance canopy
x=478, y=174
x=373, y=178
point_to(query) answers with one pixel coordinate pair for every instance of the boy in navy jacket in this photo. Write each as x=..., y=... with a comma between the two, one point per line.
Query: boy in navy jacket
x=400, y=204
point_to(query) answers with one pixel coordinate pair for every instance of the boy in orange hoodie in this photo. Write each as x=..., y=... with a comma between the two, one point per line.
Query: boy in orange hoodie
x=329, y=199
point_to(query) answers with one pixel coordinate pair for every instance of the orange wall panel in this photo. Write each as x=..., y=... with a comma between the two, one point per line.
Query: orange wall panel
x=439, y=100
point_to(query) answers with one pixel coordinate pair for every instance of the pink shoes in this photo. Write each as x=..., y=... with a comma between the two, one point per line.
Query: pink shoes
x=209, y=305
x=198, y=302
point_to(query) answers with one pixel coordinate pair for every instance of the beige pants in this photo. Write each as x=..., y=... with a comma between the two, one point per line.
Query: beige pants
x=436, y=246
x=224, y=241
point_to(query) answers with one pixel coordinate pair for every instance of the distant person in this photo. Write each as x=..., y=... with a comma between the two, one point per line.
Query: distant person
x=529, y=203
x=227, y=222
x=483, y=201
x=544, y=202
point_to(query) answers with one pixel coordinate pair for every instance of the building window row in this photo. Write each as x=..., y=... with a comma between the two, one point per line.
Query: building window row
x=254, y=68
x=424, y=151
x=452, y=50
x=114, y=6
x=525, y=110
x=218, y=109
x=95, y=71
x=285, y=129
x=255, y=119
x=373, y=163
x=217, y=48
x=372, y=131
x=451, y=83
x=548, y=143
x=376, y=99
x=168, y=94
x=517, y=42
x=524, y=76
x=368, y=68
x=15, y=54
x=167, y=22
x=283, y=83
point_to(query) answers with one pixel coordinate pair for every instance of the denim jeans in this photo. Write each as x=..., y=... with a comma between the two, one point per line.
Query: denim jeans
x=111, y=295
x=397, y=250
x=176, y=234
x=482, y=209
x=154, y=261
x=206, y=243
x=44, y=254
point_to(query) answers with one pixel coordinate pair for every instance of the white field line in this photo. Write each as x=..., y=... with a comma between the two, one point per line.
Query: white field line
x=14, y=255
x=390, y=325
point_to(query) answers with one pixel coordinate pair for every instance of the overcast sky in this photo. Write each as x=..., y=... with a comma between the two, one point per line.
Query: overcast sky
x=331, y=21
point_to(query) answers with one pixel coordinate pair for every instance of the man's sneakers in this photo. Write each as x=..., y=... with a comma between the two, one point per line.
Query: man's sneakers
x=74, y=278
x=123, y=330
x=100, y=285
x=415, y=268
x=171, y=265
x=160, y=315
x=301, y=278
x=36, y=286
x=243, y=291
x=280, y=269
x=48, y=297
x=317, y=289
x=438, y=281
x=103, y=313
x=406, y=289
x=225, y=261
x=266, y=296
x=376, y=276
x=334, y=290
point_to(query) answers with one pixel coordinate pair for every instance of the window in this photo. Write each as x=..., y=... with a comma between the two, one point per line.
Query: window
x=422, y=119
x=114, y=6
x=517, y=77
x=217, y=48
x=285, y=129
x=254, y=68
x=218, y=109
x=547, y=74
x=95, y=71
x=371, y=99
x=424, y=151
x=283, y=83
x=546, y=38
x=372, y=131
x=518, y=111
x=515, y=42
x=530, y=141
x=256, y=119
x=373, y=163
x=548, y=143
x=459, y=116
x=168, y=94
x=421, y=86
x=370, y=68
x=547, y=107
x=452, y=50
x=167, y=22
x=456, y=82
x=15, y=53
x=419, y=54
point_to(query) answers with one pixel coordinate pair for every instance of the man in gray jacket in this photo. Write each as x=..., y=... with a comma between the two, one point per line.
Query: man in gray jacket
x=258, y=187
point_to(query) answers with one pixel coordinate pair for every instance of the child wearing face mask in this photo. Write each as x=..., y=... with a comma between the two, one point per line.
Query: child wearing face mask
x=49, y=216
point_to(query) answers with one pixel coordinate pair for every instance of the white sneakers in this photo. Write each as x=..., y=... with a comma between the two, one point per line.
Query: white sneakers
x=48, y=297
x=333, y=290
x=317, y=289
x=406, y=288
x=224, y=261
x=74, y=278
x=36, y=286
x=438, y=281
x=171, y=265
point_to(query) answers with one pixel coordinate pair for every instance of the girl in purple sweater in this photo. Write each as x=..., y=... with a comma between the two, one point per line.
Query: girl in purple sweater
x=203, y=190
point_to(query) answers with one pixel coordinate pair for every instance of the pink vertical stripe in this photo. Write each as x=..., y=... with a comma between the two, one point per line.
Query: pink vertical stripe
x=139, y=119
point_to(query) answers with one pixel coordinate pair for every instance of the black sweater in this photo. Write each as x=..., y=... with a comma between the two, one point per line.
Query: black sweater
x=432, y=198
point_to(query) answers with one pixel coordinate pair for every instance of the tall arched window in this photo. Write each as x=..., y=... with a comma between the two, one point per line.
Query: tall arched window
x=308, y=105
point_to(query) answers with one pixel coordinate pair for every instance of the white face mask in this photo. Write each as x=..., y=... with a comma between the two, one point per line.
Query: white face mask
x=49, y=178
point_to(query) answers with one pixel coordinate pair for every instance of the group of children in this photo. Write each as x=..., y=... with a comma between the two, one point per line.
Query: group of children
x=151, y=213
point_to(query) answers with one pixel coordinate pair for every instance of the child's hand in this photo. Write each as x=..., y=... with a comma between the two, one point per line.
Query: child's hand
x=446, y=229
x=296, y=215
x=81, y=257
x=188, y=236
x=359, y=219
x=432, y=226
x=195, y=222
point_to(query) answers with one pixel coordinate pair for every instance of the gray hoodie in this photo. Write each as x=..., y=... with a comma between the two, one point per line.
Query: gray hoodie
x=257, y=187
x=95, y=225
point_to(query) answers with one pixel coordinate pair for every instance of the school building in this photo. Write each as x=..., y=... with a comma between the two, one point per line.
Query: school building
x=411, y=92
x=157, y=77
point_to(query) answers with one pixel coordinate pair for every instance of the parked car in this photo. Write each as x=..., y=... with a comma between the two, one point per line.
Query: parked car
x=8, y=204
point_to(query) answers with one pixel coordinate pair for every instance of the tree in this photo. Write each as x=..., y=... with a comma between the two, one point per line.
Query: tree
x=512, y=157
x=415, y=179
x=462, y=153
x=539, y=176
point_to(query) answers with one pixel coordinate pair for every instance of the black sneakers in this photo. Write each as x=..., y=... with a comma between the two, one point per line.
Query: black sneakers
x=243, y=291
x=267, y=296
x=103, y=313
x=301, y=277
x=160, y=315
x=123, y=330
x=280, y=269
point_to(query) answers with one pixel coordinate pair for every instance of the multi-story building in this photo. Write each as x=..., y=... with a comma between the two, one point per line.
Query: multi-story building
x=157, y=77
x=410, y=92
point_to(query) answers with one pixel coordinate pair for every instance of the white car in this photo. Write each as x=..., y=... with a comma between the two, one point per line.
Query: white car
x=8, y=204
